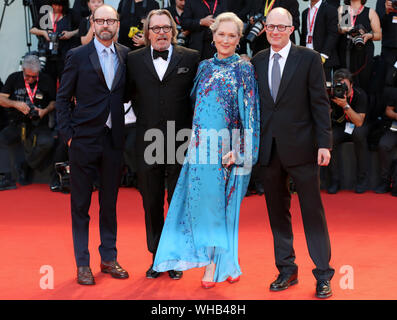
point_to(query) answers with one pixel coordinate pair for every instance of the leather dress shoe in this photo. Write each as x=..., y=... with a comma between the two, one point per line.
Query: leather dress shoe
x=383, y=187
x=114, y=269
x=283, y=281
x=175, y=275
x=323, y=289
x=84, y=276
x=333, y=188
x=152, y=274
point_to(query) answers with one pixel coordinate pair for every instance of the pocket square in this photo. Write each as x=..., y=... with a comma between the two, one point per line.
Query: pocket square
x=183, y=70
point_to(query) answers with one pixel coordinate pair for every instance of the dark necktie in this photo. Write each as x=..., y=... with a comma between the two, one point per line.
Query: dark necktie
x=276, y=75
x=160, y=54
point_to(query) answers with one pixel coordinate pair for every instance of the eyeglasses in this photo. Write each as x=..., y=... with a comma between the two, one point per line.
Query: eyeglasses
x=156, y=29
x=280, y=27
x=109, y=22
x=30, y=76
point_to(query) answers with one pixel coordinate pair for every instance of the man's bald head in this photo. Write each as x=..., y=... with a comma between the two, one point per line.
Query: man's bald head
x=279, y=13
x=106, y=8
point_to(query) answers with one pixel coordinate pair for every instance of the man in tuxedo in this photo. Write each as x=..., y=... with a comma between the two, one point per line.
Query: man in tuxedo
x=160, y=78
x=320, y=32
x=94, y=130
x=295, y=140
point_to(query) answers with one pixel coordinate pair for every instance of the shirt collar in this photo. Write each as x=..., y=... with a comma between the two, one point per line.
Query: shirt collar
x=317, y=5
x=100, y=47
x=283, y=52
x=170, y=49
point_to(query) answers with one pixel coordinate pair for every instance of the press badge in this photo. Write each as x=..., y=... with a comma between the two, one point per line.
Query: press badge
x=349, y=127
x=39, y=96
x=394, y=19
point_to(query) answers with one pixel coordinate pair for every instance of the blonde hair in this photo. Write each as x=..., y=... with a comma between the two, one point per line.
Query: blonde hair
x=159, y=12
x=228, y=16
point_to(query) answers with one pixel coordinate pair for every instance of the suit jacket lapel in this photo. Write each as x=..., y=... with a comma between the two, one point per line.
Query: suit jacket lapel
x=175, y=58
x=95, y=62
x=120, y=68
x=147, y=58
x=289, y=70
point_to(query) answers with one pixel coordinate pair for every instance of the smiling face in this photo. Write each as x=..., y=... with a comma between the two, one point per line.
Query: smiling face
x=160, y=41
x=93, y=4
x=226, y=39
x=278, y=39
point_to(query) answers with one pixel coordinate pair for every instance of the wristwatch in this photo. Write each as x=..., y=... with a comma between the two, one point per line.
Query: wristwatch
x=346, y=107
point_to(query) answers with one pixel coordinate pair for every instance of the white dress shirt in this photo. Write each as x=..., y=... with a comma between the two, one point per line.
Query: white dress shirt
x=160, y=64
x=282, y=60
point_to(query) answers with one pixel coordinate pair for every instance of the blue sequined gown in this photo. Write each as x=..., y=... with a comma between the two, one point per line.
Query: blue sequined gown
x=202, y=221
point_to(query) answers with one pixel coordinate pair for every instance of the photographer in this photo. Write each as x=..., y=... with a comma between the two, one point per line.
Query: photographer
x=60, y=35
x=360, y=26
x=387, y=11
x=86, y=33
x=28, y=96
x=349, y=107
x=132, y=15
x=386, y=145
x=197, y=17
x=176, y=11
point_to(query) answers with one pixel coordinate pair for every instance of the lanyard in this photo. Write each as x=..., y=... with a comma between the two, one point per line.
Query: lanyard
x=54, y=22
x=29, y=91
x=311, y=24
x=269, y=7
x=209, y=8
x=355, y=17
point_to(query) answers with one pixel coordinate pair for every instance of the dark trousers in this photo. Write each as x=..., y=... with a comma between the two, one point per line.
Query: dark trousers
x=88, y=158
x=278, y=200
x=385, y=147
x=359, y=138
x=151, y=184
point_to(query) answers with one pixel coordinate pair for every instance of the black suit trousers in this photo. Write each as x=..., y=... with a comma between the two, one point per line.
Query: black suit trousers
x=278, y=199
x=88, y=158
x=151, y=184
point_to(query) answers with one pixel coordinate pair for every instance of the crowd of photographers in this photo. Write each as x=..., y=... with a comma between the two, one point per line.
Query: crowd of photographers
x=362, y=87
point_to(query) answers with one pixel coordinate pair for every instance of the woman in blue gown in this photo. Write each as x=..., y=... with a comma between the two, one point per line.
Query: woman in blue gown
x=201, y=227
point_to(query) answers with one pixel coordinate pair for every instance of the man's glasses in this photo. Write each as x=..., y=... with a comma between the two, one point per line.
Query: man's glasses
x=30, y=76
x=280, y=27
x=109, y=22
x=156, y=29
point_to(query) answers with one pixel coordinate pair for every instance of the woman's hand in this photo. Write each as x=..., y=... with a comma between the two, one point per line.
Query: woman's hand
x=229, y=159
x=138, y=40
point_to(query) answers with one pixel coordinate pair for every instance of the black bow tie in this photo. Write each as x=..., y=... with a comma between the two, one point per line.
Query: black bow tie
x=160, y=54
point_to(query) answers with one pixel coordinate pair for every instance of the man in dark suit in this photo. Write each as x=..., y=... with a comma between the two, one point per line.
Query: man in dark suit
x=295, y=139
x=197, y=17
x=95, y=75
x=160, y=78
x=320, y=32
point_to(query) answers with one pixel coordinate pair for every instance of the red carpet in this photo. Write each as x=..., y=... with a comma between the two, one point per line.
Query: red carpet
x=35, y=230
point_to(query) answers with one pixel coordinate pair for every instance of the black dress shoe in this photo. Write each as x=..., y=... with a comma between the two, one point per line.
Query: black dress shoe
x=6, y=183
x=260, y=190
x=114, y=269
x=383, y=187
x=333, y=188
x=362, y=186
x=176, y=275
x=323, y=289
x=151, y=274
x=283, y=281
x=84, y=276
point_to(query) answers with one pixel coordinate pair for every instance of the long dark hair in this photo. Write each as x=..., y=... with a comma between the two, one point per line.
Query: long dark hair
x=348, y=2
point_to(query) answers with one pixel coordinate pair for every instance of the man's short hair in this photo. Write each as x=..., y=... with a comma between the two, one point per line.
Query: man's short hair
x=31, y=62
x=341, y=74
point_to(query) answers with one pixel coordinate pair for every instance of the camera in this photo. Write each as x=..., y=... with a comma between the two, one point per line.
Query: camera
x=181, y=38
x=394, y=4
x=337, y=89
x=33, y=114
x=356, y=36
x=134, y=31
x=63, y=171
x=257, y=27
x=54, y=42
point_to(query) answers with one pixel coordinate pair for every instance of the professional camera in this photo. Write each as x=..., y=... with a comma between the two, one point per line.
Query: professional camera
x=54, y=42
x=181, y=38
x=258, y=26
x=355, y=35
x=337, y=90
x=33, y=114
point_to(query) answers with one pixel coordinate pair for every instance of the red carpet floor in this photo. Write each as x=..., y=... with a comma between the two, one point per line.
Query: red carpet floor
x=35, y=231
